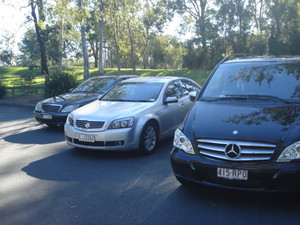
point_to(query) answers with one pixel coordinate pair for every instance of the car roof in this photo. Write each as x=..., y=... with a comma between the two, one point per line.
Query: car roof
x=159, y=79
x=115, y=76
x=261, y=59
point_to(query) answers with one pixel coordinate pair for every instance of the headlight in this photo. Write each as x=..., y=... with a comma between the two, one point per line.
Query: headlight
x=70, y=108
x=121, y=123
x=38, y=106
x=290, y=153
x=70, y=120
x=183, y=143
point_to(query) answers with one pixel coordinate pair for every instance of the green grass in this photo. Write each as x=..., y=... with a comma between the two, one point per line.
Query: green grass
x=9, y=75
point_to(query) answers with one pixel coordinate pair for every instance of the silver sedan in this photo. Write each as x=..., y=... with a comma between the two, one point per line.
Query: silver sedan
x=135, y=114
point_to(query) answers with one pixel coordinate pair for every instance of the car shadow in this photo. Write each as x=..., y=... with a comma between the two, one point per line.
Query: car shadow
x=44, y=135
x=218, y=206
x=76, y=164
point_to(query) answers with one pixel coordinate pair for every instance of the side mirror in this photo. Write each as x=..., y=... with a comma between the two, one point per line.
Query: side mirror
x=171, y=100
x=193, y=95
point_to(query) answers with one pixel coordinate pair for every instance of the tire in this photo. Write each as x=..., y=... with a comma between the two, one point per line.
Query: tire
x=149, y=139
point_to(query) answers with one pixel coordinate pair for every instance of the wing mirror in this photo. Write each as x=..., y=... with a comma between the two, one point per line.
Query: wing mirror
x=171, y=100
x=193, y=95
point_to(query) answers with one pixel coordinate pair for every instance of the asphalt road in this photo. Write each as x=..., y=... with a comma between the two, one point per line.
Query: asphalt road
x=43, y=181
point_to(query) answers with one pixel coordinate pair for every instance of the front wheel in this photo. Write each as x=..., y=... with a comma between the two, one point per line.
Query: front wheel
x=149, y=138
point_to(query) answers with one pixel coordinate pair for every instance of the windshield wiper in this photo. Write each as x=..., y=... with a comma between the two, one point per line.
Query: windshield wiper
x=262, y=97
x=248, y=97
x=114, y=100
x=227, y=97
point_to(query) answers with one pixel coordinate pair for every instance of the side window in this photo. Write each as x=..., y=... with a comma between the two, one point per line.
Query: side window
x=173, y=90
x=188, y=86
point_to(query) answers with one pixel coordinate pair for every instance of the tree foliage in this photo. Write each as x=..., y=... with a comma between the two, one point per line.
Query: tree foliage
x=129, y=33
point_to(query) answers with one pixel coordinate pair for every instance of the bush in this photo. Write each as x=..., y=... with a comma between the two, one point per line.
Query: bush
x=2, y=90
x=60, y=83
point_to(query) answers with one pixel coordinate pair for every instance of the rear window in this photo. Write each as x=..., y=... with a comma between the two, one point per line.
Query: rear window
x=255, y=78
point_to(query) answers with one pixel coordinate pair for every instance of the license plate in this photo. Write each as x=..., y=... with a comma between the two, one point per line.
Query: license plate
x=85, y=137
x=48, y=117
x=232, y=174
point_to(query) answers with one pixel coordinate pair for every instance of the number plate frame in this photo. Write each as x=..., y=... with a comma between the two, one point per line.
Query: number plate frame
x=47, y=117
x=232, y=174
x=85, y=137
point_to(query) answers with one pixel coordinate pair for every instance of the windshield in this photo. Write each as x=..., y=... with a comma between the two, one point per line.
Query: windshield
x=96, y=85
x=137, y=92
x=273, y=79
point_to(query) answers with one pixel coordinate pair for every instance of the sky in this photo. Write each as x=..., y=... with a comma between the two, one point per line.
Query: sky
x=12, y=18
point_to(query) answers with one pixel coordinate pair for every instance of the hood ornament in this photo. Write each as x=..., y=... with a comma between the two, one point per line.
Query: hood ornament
x=87, y=124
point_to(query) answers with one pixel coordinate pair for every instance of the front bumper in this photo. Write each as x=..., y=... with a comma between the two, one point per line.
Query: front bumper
x=114, y=139
x=51, y=118
x=262, y=176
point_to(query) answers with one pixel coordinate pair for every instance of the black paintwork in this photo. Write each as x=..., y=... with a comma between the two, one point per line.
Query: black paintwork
x=264, y=120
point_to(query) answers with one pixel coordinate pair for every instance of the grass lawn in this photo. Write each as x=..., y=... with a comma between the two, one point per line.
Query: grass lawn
x=11, y=76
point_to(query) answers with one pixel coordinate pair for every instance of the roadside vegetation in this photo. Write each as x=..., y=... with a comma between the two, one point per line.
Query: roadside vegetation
x=12, y=77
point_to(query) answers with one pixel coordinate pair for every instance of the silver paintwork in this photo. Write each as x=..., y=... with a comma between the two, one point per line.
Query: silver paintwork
x=168, y=117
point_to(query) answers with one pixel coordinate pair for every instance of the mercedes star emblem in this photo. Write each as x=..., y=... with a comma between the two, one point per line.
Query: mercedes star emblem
x=232, y=151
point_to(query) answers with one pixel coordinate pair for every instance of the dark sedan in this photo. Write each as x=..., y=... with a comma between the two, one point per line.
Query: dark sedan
x=54, y=111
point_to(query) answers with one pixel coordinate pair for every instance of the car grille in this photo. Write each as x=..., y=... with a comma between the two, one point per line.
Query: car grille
x=86, y=124
x=51, y=108
x=247, y=151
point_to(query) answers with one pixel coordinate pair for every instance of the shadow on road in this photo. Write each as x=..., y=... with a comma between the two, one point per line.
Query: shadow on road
x=82, y=164
x=45, y=135
x=131, y=189
x=206, y=205
x=11, y=113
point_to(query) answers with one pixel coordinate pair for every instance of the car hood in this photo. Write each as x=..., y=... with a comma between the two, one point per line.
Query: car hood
x=252, y=122
x=107, y=110
x=72, y=98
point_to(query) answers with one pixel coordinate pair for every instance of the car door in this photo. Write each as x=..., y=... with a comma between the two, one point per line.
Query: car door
x=171, y=115
x=187, y=87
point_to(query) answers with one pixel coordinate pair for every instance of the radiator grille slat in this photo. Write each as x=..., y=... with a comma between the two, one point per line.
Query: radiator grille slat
x=49, y=108
x=91, y=124
x=248, y=151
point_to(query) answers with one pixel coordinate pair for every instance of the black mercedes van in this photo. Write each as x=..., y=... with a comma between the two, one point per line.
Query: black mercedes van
x=243, y=130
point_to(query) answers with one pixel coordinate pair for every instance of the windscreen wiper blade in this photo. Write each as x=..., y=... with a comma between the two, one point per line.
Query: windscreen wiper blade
x=227, y=97
x=249, y=97
x=268, y=97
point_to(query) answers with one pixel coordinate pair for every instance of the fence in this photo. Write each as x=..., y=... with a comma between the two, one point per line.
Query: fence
x=23, y=90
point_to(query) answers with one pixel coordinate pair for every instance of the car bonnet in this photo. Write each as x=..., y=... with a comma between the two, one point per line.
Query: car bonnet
x=110, y=110
x=252, y=122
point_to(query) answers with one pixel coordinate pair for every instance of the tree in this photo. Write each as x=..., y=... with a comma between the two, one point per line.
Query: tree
x=30, y=52
x=83, y=40
x=39, y=24
x=101, y=36
x=6, y=51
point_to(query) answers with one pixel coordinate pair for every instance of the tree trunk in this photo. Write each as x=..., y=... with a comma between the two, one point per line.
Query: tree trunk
x=61, y=42
x=40, y=38
x=101, y=34
x=84, y=48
